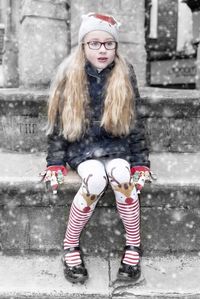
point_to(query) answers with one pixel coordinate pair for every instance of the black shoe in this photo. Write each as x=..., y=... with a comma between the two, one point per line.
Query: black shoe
x=77, y=273
x=129, y=272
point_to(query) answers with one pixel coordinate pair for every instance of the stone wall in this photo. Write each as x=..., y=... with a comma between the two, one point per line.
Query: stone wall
x=32, y=220
x=10, y=73
x=43, y=40
x=172, y=119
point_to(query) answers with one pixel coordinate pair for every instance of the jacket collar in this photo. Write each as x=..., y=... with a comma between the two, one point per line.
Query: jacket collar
x=92, y=71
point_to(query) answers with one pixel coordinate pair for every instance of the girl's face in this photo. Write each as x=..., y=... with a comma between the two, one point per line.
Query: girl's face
x=102, y=57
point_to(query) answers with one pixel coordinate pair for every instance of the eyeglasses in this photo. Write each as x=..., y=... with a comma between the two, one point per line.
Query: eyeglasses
x=96, y=45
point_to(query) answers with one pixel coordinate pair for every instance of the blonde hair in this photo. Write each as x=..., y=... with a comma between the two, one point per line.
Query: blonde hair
x=69, y=99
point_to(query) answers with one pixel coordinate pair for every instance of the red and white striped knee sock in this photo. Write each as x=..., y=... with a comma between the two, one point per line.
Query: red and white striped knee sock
x=130, y=215
x=76, y=223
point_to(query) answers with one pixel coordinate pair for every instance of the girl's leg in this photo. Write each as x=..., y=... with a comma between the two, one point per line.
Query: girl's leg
x=94, y=181
x=118, y=171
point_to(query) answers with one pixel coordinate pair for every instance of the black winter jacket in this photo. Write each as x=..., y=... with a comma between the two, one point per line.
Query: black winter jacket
x=96, y=142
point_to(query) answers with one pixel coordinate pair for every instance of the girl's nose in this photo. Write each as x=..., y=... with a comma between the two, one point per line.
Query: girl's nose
x=102, y=48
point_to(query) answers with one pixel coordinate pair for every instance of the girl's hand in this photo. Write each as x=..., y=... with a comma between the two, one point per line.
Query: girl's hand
x=141, y=174
x=54, y=176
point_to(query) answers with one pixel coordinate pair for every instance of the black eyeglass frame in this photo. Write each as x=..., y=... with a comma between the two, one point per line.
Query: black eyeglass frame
x=100, y=44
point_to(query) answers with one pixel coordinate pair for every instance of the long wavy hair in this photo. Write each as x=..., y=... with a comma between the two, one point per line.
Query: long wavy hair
x=69, y=98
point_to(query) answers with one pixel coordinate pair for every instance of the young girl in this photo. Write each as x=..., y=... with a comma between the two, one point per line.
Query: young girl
x=94, y=127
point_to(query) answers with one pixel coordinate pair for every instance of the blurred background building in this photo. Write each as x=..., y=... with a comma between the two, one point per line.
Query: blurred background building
x=160, y=38
x=172, y=37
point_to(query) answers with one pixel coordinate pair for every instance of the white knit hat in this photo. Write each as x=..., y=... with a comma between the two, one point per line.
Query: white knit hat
x=96, y=21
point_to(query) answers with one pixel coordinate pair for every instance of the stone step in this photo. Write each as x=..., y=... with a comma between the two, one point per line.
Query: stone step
x=41, y=277
x=171, y=117
x=32, y=220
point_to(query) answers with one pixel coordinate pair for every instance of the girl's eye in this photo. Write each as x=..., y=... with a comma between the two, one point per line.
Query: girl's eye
x=94, y=43
x=111, y=43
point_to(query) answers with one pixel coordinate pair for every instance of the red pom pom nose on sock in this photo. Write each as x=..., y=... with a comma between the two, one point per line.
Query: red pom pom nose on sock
x=129, y=200
x=86, y=209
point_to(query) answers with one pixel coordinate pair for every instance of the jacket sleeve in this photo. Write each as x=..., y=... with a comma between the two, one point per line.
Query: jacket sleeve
x=56, y=149
x=138, y=139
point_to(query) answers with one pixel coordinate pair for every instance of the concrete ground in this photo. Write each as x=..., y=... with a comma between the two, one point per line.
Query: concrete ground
x=42, y=277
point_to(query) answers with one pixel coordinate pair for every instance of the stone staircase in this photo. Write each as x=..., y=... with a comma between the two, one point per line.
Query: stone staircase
x=32, y=221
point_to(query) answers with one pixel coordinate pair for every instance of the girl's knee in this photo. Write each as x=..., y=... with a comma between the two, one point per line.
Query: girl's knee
x=94, y=182
x=94, y=178
x=118, y=171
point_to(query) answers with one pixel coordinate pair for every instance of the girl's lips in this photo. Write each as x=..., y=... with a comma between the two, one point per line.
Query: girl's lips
x=102, y=59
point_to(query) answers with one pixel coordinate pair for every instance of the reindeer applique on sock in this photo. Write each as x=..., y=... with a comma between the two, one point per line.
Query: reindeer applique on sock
x=127, y=190
x=90, y=199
